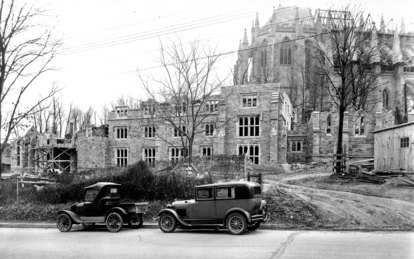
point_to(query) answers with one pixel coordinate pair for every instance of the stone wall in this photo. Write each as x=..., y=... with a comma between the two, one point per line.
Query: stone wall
x=92, y=151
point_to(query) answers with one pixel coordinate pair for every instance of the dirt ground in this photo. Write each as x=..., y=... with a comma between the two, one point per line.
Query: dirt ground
x=315, y=200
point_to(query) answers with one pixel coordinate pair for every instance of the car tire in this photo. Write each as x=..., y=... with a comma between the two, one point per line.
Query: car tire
x=114, y=222
x=236, y=224
x=167, y=223
x=254, y=226
x=135, y=221
x=64, y=222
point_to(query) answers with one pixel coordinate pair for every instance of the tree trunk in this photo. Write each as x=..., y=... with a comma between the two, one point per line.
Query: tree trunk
x=339, y=150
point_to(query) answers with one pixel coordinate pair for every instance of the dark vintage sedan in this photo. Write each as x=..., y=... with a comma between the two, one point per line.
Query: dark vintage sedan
x=102, y=205
x=237, y=206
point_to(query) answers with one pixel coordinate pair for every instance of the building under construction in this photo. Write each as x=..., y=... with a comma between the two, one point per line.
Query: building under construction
x=43, y=154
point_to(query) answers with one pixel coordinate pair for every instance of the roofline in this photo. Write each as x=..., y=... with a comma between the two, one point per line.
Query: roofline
x=228, y=183
x=102, y=184
x=395, y=127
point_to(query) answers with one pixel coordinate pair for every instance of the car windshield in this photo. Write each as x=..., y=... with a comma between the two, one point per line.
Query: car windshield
x=91, y=194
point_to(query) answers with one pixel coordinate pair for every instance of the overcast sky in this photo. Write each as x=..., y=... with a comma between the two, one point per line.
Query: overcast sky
x=105, y=42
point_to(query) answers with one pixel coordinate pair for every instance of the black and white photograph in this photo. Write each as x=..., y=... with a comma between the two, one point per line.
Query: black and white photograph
x=260, y=129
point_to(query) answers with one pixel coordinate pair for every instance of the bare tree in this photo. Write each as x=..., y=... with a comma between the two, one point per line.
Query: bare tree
x=347, y=60
x=129, y=101
x=103, y=116
x=26, y=51
x=183, y=94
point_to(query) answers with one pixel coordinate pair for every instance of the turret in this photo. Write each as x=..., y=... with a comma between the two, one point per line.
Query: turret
x=298, y=24
x=361, y=21
x=382, y=24
x=402, y=29
x=396, y=49
x=375, y=58
x=274, y=15
x=245, y=43
x=256, y=23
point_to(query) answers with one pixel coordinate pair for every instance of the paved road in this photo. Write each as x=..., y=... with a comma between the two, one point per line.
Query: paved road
x=152, y=243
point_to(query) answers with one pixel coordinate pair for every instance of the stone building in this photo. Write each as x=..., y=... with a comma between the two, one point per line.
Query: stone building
x=280, y=52
x=37, y=153
x=250, y=119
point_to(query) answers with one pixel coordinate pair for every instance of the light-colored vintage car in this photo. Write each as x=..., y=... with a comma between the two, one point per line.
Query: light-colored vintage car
x=237, y=206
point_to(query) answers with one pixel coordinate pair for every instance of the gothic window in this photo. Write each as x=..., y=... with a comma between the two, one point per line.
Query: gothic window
x=18, y=155
x=263, y=54
x=307, y=66
x=149, y=155
x=149, y=109
x=121, y=157
x=296, y=146
x=252, y=152
x=206, y=151
x=149, y=132
x=285, y=55
x=176, y=153
x=122, y=111
x=121, y=132
x=249, y=101
x=385, y=99
x=209, y=129
x=249, y=126
x=360, y=126
x=212, y=106
x=329, y=124
x=178, y=132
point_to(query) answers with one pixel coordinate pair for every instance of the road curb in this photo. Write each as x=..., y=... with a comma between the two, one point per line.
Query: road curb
x=146, y=225
x=152, y=225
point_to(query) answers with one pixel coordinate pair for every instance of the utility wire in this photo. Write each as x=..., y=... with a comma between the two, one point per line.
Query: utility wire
x=233, y=52
x=158, y=32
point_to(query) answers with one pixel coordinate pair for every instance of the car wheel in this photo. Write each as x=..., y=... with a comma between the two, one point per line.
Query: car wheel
x=64, y=222
x=236, y=224
x=254, y=226
x=135, y=221
x=167, y=223
x=88, y=226
x=114, y=222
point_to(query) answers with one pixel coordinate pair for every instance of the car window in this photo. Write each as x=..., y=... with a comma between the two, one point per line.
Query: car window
x=257, y=191
x=91, y=194
x=225, y=193
x=205, y=194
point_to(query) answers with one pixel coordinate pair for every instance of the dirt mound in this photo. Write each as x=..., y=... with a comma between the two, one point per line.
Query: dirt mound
x=345, y=210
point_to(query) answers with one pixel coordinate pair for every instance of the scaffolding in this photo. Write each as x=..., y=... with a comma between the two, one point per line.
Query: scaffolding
x=45, y=154
x=55, y=158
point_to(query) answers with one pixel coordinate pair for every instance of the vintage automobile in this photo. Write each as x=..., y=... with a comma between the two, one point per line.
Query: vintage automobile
x=102, y=205
x=237, y=206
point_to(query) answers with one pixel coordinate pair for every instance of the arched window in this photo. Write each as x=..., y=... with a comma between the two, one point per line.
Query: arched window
x=285, y=54
x=329, y=124
x=360, y=126
x=307, y=66
x=385, y=99
x=263, y=54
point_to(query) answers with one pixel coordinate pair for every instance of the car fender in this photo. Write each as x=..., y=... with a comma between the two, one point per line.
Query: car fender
x=239, y=210
x=74, y=217
x=117, y=209
x=263, y=205
x=175, y=214
x=263, y=208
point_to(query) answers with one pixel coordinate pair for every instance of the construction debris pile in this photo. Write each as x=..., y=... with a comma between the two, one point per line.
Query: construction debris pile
x=398, y=177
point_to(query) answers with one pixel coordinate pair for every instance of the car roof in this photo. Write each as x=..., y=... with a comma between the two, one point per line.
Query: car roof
x=251, y=184
x=100, y=185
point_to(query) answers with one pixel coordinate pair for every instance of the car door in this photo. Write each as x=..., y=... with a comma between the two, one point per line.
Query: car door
x=205, y=205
